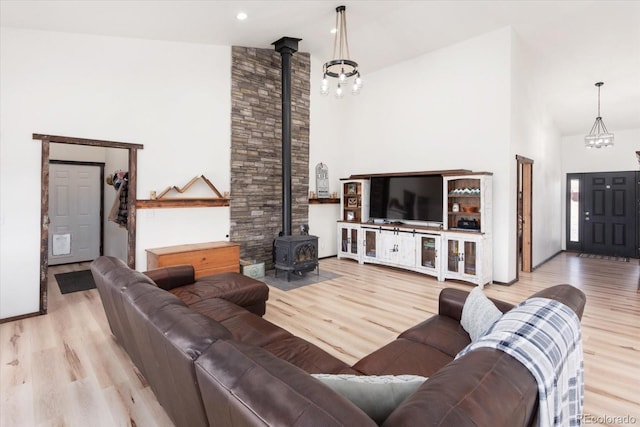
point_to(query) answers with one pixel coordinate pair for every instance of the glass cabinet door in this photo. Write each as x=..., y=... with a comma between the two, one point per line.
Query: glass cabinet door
x=470, y=258
x=428, y=252
x=349, y=240
x=370, y=243
x=354, y=241
x=453, y=251
x=344, y=239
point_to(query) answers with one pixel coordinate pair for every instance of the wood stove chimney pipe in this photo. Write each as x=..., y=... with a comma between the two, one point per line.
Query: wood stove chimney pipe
x=286, y=46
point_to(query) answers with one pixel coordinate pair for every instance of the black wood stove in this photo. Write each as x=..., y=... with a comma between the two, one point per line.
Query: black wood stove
x=297, y=254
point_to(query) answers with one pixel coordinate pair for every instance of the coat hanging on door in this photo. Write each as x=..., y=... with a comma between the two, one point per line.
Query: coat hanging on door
x=119, y=210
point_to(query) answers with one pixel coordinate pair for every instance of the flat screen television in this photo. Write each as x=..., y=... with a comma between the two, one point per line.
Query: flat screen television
x=409, y=198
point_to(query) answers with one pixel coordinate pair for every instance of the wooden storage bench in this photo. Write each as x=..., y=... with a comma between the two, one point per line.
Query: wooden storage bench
x=206, y=258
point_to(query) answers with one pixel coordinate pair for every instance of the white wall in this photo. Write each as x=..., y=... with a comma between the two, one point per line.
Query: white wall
x=533, y=135
x=449, y=109
x=174, y=98
x=621, y=157
x=473, y=105
x=327, y=145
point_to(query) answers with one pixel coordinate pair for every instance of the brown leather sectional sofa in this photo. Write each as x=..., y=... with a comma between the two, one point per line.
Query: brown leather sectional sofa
x=212, y=360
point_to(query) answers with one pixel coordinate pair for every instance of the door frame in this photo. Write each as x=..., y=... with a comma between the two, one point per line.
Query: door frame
x=46, y=140
x=580, y=176
x=524, y=173
x=101, y=213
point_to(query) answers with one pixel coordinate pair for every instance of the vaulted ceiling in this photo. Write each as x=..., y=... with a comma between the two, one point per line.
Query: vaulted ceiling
x=573, y=44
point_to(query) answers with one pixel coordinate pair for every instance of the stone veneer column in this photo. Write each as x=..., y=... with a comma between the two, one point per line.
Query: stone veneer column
x=256, y=149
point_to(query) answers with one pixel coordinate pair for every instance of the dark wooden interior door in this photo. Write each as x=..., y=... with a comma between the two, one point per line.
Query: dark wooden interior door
x=609, y=213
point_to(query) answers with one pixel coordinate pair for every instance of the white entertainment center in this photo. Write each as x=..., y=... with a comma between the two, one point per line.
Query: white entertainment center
x=457, y=247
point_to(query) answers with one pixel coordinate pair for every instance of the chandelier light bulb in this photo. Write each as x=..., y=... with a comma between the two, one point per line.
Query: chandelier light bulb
x=339, y=91
x=355, y=89
x=343, y=77
x=324, y=88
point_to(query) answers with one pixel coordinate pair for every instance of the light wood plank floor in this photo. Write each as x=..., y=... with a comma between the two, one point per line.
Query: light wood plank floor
x=65, y=368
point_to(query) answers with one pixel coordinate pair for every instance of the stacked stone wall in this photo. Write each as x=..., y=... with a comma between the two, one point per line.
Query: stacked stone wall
x=256, y=149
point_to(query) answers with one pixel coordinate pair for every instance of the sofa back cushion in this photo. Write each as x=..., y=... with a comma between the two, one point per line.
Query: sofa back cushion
x=243, y=385
x=170, y=338
x=160, y=333
x=440, y=332
x=113, y=277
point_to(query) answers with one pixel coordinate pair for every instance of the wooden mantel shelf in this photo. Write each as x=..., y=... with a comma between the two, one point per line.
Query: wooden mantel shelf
x=325, y=201
x=181, y=203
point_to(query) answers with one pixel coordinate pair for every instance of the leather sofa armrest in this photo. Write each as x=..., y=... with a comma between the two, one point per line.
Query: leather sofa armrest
x=569, y=295
x=450, y=303
x=173, y=276
x=485, y=387
x=452, y=300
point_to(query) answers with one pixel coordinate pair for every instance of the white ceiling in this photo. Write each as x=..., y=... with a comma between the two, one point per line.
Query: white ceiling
x=573, y=44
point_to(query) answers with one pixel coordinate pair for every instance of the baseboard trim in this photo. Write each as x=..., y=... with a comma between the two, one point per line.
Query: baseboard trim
x=547, y=260
x=22, y=316
x=504, y=283
x=533, y=269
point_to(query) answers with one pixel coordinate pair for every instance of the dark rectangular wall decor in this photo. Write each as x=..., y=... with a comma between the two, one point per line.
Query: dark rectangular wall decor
x=256, y=149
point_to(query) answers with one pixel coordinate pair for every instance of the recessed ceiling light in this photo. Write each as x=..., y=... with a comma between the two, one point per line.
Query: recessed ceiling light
x=241, y=16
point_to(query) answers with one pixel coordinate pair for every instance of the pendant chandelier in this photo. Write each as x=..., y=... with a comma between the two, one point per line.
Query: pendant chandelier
x=599, y=135
x=341, y=67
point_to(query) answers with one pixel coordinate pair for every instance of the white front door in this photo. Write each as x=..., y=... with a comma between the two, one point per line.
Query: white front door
x=74, y=212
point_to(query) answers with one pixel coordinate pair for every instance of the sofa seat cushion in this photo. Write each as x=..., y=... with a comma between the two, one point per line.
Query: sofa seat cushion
x=440, y=332
x=235, y=287
x=217, y=309
x=252, y=329
x=403, y=357
x=307, y=356
x=243, y=325
x=244, y=385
